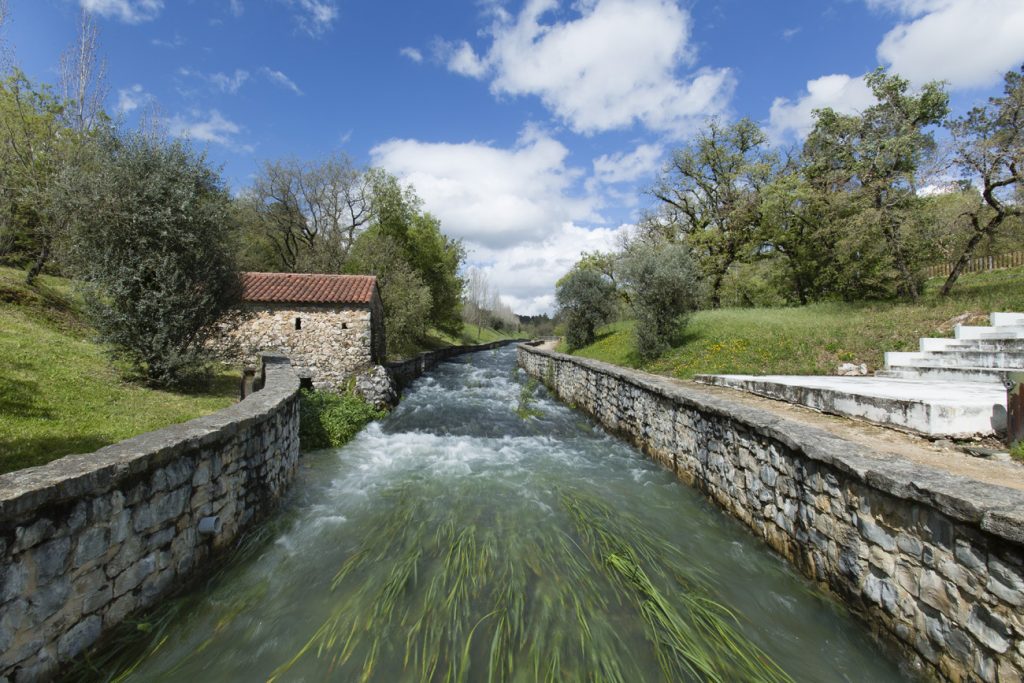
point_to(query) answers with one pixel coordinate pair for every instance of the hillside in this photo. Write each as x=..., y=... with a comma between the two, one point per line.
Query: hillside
x=59, y=392
x=814, y=339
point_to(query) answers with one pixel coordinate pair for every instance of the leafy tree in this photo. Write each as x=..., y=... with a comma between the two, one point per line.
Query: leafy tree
x=151, y=245
x=989, y=143
x=664, y=286
x=586, y=300
x=866, y=165
x=404, y=294
x=710, y=194
x=437, y=259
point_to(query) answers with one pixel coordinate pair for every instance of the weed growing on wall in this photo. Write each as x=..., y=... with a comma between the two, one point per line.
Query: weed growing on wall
x=329, y=420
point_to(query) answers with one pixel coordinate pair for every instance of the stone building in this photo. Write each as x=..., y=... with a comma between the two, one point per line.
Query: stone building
x=331, y=326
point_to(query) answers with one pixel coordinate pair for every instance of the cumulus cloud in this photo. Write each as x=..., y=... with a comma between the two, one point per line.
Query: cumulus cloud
x=412, y=54
x=131, y=98
x=794, y=119
x=280, y=78
x=212, y=128
x=612, y=66
x=968, y=43
x=315, y=17
x=491, y=195
x=128, y=11
x=623, y=167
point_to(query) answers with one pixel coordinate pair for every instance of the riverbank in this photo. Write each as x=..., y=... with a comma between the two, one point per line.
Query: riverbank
x=925, y=545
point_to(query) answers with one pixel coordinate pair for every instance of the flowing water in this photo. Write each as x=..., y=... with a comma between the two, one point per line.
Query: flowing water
x=485, y=532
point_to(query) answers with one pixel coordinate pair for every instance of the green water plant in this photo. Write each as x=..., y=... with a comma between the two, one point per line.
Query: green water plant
x=526, y=410
x=329, y=420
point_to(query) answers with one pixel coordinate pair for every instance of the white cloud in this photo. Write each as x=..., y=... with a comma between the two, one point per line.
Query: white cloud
x=612, y=66
x=213, y=128
x=791, y=119
x=128, y=11
x=411, y=53
x=229, y=84
x=280, y=78
x=969, y=43
x=236, y=7
x=131, y=98
x=490, y=195
x=314, y=16
x=623, y=167
x=173, y=43
x=526, y=274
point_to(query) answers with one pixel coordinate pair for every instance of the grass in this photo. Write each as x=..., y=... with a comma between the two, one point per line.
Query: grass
x=59, y=392
x=330, y=420
x=471, y=334
x=814, y=339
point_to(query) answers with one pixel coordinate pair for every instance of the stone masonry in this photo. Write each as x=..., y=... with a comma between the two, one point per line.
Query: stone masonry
x=932, y=561
x=87, y=540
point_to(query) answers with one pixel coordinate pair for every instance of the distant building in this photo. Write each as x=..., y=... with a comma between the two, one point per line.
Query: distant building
x=331, y=326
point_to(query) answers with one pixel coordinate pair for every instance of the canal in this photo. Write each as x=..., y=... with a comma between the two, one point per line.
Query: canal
x=485, y=532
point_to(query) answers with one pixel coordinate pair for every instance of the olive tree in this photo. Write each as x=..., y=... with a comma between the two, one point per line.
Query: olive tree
x=664, y=285
x=586, y=300
x=150, y=245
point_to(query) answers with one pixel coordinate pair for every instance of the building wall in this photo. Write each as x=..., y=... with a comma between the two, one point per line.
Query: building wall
x=932, y=561
x=88, y=540
x=333, y=343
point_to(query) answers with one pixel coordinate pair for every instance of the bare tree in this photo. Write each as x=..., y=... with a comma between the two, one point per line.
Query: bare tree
x=83, y=77
x=312, y=211
x=6, y=56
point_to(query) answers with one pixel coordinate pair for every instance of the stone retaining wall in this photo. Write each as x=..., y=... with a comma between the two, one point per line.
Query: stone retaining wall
x=89, y=539
x=933, y=562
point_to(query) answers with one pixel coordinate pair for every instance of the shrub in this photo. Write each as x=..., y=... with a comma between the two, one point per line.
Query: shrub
x=586, y=299
x=330, y=420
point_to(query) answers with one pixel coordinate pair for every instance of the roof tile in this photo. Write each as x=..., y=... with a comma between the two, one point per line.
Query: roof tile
x=307, y=288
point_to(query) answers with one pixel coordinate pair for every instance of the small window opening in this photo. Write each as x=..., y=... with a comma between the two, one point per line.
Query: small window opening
x=298, y=323
x=306, y=383
x=344, y=326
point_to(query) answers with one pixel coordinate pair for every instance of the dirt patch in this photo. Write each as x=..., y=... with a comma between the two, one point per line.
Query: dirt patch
x=883, y=442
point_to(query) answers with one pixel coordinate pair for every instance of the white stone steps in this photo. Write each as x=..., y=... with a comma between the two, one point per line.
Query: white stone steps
x=1006, y=319
x=949, y=409
x=955, y=357
x=944, y=374
x=928, y=344
x=986, y=332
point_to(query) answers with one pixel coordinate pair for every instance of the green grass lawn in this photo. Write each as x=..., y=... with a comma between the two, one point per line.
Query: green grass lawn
x=813, y=339
x=59, y=392
x=471, y=334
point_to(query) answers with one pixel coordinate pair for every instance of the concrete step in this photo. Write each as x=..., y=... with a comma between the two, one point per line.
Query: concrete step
x=947, y=343
x=1005, y=319
x=950, y=409
x=986, y=332
x=944, y=374
x=954, y=357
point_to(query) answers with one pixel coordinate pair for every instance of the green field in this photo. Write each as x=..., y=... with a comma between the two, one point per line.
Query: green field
x=60, y=393
x=814, y=339
x=471, y=334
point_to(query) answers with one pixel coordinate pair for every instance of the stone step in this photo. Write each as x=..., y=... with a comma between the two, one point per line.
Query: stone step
x=950, y=409
x=953, y=357
x=986, y=332
x=944, y=374
x=1006, y=319
x=946, y=343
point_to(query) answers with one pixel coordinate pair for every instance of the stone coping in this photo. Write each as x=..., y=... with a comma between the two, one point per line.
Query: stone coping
x=87, y=474
x=995, y=509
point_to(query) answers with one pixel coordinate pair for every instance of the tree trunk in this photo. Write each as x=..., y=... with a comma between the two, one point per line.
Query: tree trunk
x=41, y=259
x=979, y=234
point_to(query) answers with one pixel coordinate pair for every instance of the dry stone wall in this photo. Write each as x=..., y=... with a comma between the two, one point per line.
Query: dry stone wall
x=89, y=539
x=331, y=344
x=932, y=561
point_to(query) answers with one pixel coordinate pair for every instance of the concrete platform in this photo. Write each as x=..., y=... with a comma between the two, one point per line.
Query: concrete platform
x=930, y=407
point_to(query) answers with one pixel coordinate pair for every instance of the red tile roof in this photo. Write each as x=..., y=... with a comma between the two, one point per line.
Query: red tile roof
x=307, y=288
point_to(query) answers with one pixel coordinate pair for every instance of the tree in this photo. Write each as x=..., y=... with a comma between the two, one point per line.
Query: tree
x=710, y=193
x=989, y=144
x=151, y=246
x=437, y=259
x=585, y=301
x=664, y=286
x=83, y=78
x=870, y=160
x=311, y=212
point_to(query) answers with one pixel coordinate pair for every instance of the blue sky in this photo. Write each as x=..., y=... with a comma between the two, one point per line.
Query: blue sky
x=531, y=128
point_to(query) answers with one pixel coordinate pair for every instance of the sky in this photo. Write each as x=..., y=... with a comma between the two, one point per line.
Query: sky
x=531, y=128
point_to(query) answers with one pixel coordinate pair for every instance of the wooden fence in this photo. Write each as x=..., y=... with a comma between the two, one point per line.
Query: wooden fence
x=979, y=264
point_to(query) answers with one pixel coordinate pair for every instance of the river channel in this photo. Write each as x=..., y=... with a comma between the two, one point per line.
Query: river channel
x=485, y=532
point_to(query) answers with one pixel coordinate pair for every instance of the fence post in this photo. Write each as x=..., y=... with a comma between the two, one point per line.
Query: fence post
x=1014, y=408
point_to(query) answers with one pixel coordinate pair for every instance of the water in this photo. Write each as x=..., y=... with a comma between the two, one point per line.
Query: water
x=473, y=535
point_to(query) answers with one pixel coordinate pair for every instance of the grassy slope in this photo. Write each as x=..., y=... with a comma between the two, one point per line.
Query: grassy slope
x=471, y=334
x=814, y=339
x=59, y=393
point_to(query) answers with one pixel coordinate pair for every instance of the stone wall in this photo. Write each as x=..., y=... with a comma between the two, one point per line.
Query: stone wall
x=333, y=343
x=89, y=539
x=932, y=561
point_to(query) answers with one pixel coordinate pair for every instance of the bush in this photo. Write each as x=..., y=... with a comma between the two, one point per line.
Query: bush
x=663, y=285
x=586, y=299
x=152, y=248
x=330, y=420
